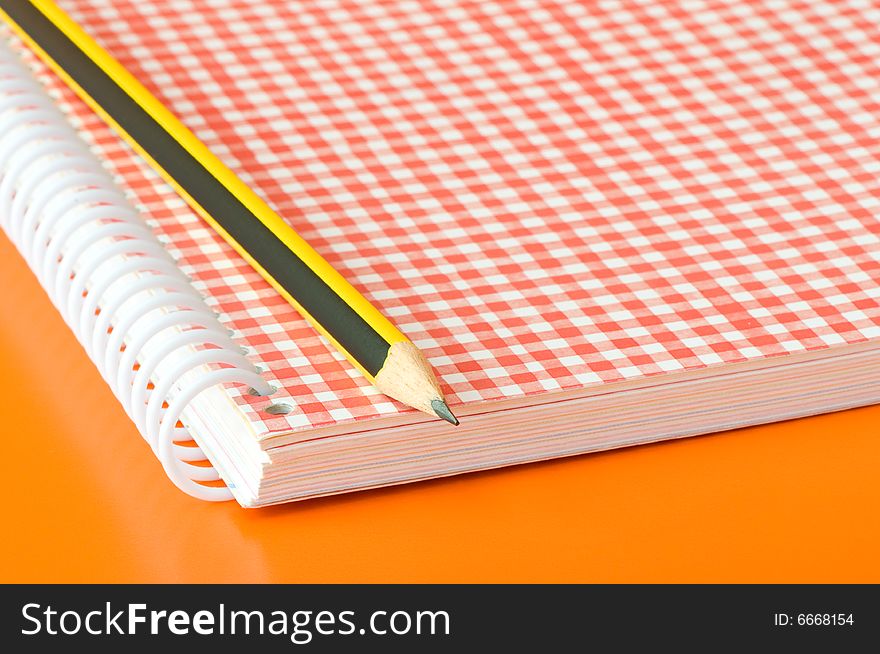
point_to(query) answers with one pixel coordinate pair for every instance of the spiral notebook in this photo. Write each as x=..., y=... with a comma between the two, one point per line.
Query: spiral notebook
x=605, y=223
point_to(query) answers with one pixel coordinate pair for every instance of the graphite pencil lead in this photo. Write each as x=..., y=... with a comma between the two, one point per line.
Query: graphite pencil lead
x=442, y=409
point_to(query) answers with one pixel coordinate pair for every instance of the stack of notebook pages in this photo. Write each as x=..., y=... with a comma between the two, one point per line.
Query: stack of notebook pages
x=604, y=224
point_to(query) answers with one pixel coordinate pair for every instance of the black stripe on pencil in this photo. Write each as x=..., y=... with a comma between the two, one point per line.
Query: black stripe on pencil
x=351, y=330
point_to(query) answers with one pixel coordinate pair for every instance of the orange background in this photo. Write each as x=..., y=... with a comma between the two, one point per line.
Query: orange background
x=85, y=500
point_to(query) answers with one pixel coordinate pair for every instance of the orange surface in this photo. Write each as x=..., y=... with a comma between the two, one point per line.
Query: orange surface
x=85, y=500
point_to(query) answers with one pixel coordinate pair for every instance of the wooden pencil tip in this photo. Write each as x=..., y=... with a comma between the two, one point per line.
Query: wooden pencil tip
x=408, y=378
x=442, y=409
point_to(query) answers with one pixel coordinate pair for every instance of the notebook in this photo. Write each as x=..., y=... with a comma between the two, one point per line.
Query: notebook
x=604, y=223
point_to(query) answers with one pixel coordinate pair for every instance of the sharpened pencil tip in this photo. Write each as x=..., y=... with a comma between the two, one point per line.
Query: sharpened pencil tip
x=442, y=410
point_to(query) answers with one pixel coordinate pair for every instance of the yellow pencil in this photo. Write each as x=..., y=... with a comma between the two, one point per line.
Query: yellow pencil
x=367, y=339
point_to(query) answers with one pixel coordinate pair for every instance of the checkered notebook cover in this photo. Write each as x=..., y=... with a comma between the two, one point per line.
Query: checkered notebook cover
x=544, y=195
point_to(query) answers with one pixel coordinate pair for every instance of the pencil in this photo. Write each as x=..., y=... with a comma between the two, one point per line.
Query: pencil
x=302, y=276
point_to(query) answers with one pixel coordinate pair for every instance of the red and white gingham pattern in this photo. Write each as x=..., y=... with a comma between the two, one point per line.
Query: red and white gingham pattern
x=543, y=194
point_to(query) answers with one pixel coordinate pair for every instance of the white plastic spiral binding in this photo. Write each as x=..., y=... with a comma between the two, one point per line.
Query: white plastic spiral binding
x=147, y=329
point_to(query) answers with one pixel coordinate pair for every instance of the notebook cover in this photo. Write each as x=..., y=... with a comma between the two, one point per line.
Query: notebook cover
x=544, y=195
